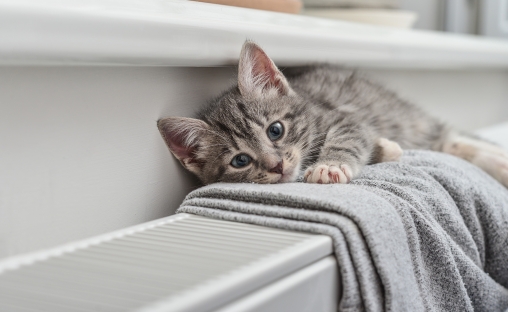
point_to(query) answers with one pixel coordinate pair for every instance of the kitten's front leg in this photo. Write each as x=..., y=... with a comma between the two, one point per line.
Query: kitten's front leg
x=347, y=148
x=346, y=152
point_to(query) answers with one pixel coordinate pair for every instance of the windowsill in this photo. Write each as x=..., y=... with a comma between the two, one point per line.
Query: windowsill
x=186, y=33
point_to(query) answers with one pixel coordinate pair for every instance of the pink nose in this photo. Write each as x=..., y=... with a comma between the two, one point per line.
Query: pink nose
x=277, y=169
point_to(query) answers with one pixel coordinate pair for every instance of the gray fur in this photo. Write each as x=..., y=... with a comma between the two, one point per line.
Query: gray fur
x=331, y=116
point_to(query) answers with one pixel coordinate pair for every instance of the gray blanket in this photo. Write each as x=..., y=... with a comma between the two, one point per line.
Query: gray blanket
x=429, y=233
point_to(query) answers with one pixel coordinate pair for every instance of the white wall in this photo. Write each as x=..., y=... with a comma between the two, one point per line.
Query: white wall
x=80, y=153
x=467, y=99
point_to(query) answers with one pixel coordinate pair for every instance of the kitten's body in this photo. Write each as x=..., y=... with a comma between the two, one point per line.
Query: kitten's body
x=334, y=122
x=363, y=110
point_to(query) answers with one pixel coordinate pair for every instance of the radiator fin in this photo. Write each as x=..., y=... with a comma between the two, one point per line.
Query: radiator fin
x=157, y=266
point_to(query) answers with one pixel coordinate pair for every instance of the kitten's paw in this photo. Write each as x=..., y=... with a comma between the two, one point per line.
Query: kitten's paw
x=390, y=150
x=491, y=158
x=494, y=164
x=327, y=174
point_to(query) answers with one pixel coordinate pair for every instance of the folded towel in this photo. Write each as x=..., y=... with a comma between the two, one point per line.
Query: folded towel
x=427, y=233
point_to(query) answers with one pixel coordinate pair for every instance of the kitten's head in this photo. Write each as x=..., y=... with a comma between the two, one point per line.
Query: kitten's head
x=251, y=133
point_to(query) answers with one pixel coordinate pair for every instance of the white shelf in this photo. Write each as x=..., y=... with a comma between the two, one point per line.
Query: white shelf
x=185, y=33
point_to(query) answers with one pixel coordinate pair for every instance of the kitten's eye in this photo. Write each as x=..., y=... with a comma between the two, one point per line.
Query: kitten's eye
x=275, y=131
x=241, y=160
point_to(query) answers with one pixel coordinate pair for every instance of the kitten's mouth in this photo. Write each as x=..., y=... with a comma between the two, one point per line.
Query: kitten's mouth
x=288, y=175
x=285, y=178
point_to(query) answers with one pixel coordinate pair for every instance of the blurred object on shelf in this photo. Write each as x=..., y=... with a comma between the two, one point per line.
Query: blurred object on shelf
x=394, y=18
x=431, y=13
x=493, y=18
x=285, y=6
x=375, y=12
x=477, y=17
x=461, y=16
x=474, y=17
x=352, y=3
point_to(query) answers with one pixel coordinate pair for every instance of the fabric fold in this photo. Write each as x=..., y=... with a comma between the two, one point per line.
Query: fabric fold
x=428, y=233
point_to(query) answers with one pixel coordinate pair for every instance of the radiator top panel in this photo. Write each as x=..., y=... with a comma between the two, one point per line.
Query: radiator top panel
x=179, y=263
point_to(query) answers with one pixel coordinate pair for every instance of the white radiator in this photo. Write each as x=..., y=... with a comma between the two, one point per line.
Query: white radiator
x=179, y=263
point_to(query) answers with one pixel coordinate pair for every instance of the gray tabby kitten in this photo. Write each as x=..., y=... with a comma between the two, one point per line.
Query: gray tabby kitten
x=328, y=121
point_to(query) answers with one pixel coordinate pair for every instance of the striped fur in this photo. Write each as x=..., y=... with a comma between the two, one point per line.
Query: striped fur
x=334, y=118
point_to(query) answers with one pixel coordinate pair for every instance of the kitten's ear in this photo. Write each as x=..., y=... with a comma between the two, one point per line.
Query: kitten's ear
x=257, y=72
x=182, y=136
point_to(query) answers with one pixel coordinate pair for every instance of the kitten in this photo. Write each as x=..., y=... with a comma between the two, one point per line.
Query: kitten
x=323, y=119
